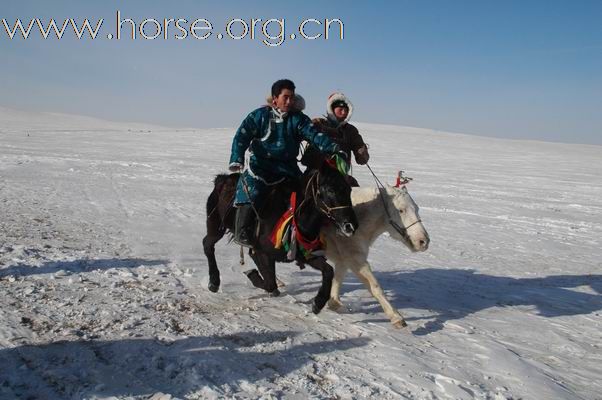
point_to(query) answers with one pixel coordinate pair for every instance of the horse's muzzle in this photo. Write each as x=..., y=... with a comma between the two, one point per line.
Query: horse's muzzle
x=348, y=229
x=421, y=244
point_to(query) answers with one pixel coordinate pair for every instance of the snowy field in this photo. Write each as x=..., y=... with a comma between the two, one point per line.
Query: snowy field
x=104, y=283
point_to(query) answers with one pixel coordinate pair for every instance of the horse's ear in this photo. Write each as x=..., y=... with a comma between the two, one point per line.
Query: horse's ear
x=394, y=189
x=402, y=188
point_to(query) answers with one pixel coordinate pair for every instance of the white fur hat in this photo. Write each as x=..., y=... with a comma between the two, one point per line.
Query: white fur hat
x=338, y=96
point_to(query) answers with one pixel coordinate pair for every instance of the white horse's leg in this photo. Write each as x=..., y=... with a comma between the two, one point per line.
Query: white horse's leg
x=340, y=271
x=364, y=273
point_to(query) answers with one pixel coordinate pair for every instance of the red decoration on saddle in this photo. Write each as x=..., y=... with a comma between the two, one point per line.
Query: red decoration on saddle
x=331, y=162
x=278, y=228
x=307, y=245
x=289, y=215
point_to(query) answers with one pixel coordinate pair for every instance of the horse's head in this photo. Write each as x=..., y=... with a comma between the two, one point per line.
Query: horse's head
x=332, y=196
x=406, y=225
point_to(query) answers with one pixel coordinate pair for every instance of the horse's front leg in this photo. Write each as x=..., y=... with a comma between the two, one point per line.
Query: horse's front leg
x=214, y=234
x=364, y=273
x=265, y=278
x=269, y=276
x=323, y=295
x=340, y=270
x=267, y=269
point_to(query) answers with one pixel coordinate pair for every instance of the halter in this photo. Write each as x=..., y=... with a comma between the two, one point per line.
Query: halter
x=313, y=184
x=402, y=230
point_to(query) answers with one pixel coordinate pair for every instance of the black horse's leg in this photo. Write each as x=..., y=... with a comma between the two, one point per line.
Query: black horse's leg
x=215, y=232
x=323, y=295
x=270, y=277
x=209, y=242
x=267, y=269
x=254, y=275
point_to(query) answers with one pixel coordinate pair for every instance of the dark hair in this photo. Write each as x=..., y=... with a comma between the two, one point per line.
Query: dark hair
x=280, y=85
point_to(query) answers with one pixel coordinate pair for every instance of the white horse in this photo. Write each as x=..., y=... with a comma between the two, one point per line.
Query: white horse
x=390, y=209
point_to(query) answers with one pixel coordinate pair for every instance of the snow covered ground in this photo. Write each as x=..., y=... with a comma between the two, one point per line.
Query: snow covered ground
x=103, y=278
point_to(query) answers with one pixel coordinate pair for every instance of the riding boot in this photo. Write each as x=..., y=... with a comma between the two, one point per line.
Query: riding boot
x=244, y=229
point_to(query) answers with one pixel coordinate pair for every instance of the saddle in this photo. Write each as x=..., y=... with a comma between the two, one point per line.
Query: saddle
x=286, y=235
x=275, y=202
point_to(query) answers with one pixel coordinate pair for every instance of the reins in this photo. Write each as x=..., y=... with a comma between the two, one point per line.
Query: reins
x=311, y=192
x=313, y=184
x=326, y=210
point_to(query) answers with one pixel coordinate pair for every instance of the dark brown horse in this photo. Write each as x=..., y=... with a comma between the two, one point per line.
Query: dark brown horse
x=323, y=196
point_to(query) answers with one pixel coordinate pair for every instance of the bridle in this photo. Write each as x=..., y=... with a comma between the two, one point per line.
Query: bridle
x=401, y=229
x=314, y=187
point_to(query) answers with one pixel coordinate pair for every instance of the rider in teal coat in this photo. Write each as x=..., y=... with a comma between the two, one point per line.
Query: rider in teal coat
x=272, y=134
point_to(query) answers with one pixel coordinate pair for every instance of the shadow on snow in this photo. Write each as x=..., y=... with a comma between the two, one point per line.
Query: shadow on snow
x=75, y=266
x=134, y=367
x=455, y=293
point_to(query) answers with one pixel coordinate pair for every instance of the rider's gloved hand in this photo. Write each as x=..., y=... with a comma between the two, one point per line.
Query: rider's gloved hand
x=235, y=167
x=361, y=155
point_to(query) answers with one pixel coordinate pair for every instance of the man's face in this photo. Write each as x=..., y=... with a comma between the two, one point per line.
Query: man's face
x=285, y=100
x=341, y=112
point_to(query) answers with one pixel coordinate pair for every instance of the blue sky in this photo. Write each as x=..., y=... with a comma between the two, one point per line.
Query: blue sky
x=513, y=69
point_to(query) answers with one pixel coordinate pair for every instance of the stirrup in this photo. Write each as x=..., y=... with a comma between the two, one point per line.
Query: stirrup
x=244, y=227
x=243, y=244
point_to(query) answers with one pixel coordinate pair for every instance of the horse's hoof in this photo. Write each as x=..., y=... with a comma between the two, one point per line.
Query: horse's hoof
x=274, y=293
x=317, y=306
x=255, y=278
x=400, y=324
x=213, y=287
x=334, y=304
